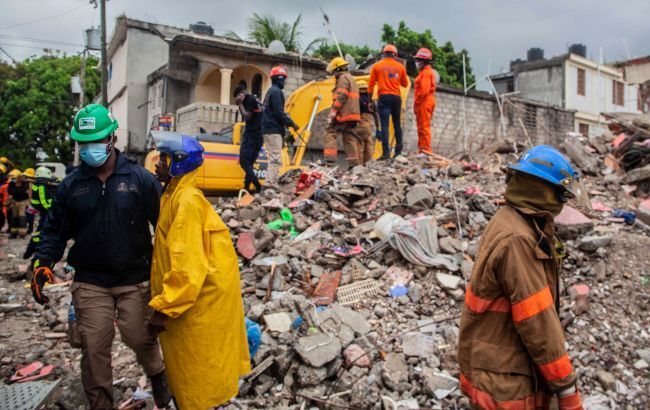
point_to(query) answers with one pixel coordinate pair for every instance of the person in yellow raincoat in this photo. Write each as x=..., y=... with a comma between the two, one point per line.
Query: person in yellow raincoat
x=195, y=287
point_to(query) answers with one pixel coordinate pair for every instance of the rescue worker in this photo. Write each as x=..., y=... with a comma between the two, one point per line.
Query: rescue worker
x=7, y=163
x=274, y=123
x=252, y=141
x=343, y=116
x=41, y=200
x=3, y=195
x=195, y=285
x=389, y=75
x=106, y=205
x=30, y=212
x=18, y=191
x=424, y=101
x=369, y=116
x=511, y=345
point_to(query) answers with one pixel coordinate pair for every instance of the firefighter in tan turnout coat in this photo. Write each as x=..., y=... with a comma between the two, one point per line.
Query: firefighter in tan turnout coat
x=512, y=351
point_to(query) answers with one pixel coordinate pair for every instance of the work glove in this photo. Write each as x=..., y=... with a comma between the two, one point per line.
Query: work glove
x=156, y=323
x=294, y=126
x=41, y=274
x=569, y=399
x=378, y=135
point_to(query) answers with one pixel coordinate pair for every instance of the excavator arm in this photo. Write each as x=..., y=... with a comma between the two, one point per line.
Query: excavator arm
x=305, y=103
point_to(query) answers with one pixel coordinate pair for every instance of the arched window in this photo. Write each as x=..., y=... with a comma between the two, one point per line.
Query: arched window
x=257, y=85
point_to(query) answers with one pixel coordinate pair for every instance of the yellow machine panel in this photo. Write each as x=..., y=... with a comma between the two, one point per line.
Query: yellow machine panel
x=221, y=172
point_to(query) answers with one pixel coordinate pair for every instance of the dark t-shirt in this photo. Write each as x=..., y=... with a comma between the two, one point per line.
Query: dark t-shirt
x=251, y=104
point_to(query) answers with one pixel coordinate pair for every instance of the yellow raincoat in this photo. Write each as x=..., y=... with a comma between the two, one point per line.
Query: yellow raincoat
x=195, y=282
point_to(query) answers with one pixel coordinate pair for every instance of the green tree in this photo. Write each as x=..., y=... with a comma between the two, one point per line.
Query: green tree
x=328, y=51
x=447, y=62
x=265, y=29
x=37, y=107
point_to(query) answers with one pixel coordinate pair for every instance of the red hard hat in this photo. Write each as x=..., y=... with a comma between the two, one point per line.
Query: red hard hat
x=389, y=48
x=424, y=54
x=278, y=71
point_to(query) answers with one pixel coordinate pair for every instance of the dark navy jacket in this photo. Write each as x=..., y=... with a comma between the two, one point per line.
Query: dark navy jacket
x=274, y=119
x=109, y=223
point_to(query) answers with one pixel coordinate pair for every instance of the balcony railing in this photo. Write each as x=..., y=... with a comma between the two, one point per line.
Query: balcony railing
x=209, y=116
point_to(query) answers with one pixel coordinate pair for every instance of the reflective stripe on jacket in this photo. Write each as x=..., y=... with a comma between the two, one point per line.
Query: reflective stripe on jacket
x=345, y=99
x=511, y=343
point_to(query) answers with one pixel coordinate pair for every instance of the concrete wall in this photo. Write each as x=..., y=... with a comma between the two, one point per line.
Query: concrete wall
x=637, y=73
x=543, y=85
x=146, y=53
x=117, y=67
x=119, y=108
x=544, y=124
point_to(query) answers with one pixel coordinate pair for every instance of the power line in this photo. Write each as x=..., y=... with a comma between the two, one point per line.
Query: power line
x=37, y=48
x=12, y=59
x=38, y=40
x=44, y=18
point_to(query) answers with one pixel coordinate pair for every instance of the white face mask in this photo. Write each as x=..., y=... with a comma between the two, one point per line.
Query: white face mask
x=420, y=64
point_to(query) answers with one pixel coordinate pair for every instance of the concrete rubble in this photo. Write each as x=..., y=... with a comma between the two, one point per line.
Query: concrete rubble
x=397, y=346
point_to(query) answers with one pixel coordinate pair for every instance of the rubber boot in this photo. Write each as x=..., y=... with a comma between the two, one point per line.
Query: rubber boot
x=161, y=395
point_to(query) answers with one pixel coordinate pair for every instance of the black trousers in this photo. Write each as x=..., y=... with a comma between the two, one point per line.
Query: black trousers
x=248, y=152
x=390, y=106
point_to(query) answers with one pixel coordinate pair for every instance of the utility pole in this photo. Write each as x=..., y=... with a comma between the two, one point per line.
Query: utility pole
x=102, y=12
x=82, y=99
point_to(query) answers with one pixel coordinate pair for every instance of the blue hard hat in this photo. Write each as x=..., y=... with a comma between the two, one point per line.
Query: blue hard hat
x=550, y=165
x=185, y=152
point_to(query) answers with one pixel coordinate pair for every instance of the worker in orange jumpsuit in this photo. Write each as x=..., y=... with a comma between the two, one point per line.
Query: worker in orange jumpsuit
x=425, y=98
x=389, y=74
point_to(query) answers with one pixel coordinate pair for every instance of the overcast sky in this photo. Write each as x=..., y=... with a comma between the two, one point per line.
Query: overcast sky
x=493, y=31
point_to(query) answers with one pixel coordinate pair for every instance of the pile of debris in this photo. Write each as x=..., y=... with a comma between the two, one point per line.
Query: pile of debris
x=357, y=280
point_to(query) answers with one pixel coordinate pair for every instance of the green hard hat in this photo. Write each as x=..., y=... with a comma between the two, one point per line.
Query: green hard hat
x=93, y=123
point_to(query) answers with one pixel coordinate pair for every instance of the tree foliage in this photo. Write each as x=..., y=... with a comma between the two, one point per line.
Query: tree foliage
x=446, y=60
x=37, y=107
x=265, y=29
x=328, y=51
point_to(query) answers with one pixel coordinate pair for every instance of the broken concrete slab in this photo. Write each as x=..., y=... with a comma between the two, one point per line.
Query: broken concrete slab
x=395, y=371
x=447, y=281
x=318, y=349
x=638, y=175
x=440, y=385
x=643, y=211
x=355, y=355
x=310, y=376
x=355, y=320
x=572, y=223
x=575, y=150
x=592, y=243
x=246, y=245
x=419, y=195
x=278, y=322
x=417, y=344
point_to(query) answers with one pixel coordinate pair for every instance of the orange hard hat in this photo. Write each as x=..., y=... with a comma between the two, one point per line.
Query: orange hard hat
x=278, y=71
x=423, y=54
x=389, y=48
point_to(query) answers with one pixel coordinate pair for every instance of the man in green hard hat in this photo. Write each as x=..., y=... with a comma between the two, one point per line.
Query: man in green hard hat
x=106, y=206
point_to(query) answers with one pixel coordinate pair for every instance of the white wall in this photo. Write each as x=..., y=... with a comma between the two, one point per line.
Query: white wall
x=599, y=91
x=119, y=108
x=117, y=64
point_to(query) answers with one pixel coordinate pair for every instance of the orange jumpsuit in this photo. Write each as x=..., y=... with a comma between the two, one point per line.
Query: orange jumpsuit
x=424, y=105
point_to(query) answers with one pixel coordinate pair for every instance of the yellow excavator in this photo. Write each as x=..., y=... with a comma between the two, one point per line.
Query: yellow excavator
x=221, y=172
